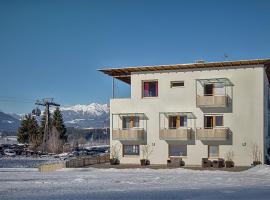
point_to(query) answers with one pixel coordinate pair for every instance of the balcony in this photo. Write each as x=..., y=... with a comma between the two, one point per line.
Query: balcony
x=183, y=134
x=212, y=101
x=133, y=134
x=215, y=134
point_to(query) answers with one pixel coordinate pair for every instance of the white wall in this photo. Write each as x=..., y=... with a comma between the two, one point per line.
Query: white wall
x=245, y=119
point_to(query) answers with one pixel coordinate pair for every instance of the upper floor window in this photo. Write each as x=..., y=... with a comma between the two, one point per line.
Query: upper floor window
x=150, y=88
x=213, y=121
x=216, y=89
x=131, y=122
x=177, y=84
x=177, y=121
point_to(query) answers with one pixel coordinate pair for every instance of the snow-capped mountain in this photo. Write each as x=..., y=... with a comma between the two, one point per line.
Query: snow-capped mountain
x=88, y=116
x=8, y=123
x=93, y=115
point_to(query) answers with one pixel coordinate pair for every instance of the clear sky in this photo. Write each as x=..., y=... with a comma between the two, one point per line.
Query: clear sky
x=54, y=48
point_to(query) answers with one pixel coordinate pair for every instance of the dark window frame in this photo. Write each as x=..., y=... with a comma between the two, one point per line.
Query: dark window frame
x=177, y=84
x=146, y=92
x=177, y=155
x=133, y=151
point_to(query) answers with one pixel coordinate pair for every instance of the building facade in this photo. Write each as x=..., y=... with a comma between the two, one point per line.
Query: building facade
x=194, y=111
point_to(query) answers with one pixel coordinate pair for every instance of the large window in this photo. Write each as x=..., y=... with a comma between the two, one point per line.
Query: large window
x=131, y=150
x=177, y=150
x=216, y=89
x=177, y=121
x=213, y=151
x=130, y=122
x=150, y=88
x=212, y=121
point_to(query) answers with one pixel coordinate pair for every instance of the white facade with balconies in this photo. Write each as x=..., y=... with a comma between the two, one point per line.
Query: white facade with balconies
x=193, y=113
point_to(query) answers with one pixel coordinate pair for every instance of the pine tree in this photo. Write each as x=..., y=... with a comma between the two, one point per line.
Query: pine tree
x=58, y=123
x=29, y=131
x=42, y=126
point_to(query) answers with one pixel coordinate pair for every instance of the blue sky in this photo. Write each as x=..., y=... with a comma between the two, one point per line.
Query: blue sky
x=54, y=48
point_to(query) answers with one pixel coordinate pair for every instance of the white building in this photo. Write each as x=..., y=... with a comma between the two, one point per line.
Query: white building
x=198, y=110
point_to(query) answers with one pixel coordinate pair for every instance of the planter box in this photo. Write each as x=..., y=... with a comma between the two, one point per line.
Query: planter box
x=257, y=163
x=229, y=164
x=145, y=162
x=114, y=161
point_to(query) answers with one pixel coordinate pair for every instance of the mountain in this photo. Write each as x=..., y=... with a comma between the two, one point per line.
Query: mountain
x=88, y=116
x=93, y=115
x=8, y=123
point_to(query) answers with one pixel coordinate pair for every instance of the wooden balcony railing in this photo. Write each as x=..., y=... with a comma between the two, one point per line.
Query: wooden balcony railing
x=175, y=134
x=132, y=134
x=212, y=101
x=215, y=134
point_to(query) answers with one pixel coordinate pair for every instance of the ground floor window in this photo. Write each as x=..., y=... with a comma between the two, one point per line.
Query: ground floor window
x=177, y=150
x=213, y=151
x=131, y=150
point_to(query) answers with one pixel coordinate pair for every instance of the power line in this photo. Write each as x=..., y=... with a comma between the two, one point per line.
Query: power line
x=16, y=99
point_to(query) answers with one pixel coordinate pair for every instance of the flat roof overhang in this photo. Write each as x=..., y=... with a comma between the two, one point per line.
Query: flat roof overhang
x=123, y=74
x=189, y=115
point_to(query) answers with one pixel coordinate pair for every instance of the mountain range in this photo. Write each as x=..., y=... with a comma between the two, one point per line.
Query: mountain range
x=88, y=116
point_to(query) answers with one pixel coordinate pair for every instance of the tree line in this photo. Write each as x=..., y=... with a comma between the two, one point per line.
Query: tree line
x=32, y=133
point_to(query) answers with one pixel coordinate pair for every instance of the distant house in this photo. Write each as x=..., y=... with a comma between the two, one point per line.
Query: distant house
x=198, y=110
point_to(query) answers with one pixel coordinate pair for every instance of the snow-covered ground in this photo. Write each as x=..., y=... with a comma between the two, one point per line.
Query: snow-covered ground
x=91, y=183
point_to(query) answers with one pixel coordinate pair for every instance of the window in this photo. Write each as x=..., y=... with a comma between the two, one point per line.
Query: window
x=131, y=150
x=150, y=88
x=213, y=121
x=219, y=120
x=177, y=121
x=208, y=90
x=177, y=84
x=183, y=121
x=130, y=122
x=217, y=89
x=213, y=151
x=177, y=150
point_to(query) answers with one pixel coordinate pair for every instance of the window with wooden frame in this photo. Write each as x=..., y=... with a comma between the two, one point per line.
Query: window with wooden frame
x=177, y=84
x=130, y=122
x=213, y=151
x=150, y=88
x=212, y=121
x=177, y=122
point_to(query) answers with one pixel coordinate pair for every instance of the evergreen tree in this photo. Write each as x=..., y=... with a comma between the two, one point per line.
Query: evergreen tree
x=42, y=126
x=58, y=123
x=29, y=131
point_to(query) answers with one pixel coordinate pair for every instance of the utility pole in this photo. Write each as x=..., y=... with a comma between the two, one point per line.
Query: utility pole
x=47, y=102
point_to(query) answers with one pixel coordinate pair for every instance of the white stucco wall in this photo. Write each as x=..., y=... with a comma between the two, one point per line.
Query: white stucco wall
x=245, y=118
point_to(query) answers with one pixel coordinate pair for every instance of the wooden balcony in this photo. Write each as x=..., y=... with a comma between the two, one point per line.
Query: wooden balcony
x=133, y=134
x=212, y=101
x=215, y=134
x=183, y=134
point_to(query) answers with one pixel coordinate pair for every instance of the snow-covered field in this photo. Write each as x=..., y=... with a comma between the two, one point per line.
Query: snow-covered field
x=91, y=183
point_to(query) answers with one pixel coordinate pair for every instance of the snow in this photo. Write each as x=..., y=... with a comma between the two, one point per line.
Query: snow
x=93, y=108
x=91, y=183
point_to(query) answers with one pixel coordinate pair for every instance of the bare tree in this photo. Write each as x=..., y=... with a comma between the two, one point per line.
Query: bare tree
x=256, y=153
x=229, y=155
x=82, y=142
x=55, y=144
x=146, y=151
x=115, y=151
